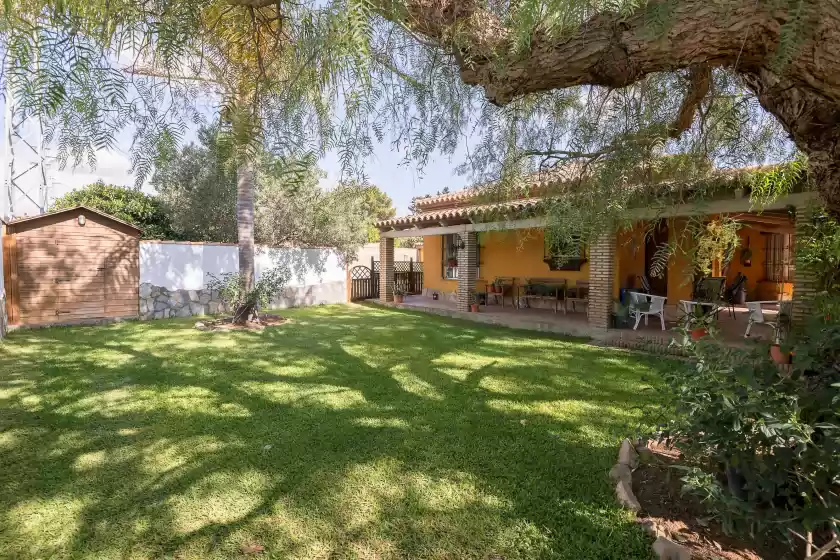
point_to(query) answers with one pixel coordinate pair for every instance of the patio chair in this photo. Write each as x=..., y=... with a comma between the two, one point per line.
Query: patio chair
x=709, y=288
x=780, y=326
x=643, y=305
x=579, y=293
x=730, y=294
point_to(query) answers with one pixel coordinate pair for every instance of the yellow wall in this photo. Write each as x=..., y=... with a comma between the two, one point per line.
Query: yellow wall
x=630, y=258
x=432, y=270
x=755, y=273
x=517, y=254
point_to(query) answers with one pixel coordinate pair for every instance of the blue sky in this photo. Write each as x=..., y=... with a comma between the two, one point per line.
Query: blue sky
x=385, y=168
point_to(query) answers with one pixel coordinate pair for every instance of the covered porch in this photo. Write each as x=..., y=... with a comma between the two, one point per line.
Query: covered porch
x=475, y=254
x=731, y=326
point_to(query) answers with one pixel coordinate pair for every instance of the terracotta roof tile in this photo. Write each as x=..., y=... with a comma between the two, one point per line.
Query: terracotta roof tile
x=463, y=212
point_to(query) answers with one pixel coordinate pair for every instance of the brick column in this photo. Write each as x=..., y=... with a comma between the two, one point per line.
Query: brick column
x=804, y=284
x=467, y=269
x=386, y=269
x=601, y=277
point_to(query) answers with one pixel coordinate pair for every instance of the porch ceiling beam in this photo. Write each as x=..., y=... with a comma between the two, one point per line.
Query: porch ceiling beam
x=727, y=206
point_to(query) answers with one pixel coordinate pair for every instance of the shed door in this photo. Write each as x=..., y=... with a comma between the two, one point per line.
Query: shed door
x=58, y=281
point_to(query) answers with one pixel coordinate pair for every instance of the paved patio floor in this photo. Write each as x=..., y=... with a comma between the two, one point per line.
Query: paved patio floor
x=732, y=327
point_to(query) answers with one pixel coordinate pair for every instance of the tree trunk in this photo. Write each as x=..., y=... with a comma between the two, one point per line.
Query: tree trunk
x=787, y=52
x=245, y=187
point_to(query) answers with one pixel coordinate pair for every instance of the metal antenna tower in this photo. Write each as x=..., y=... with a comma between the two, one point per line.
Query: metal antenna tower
x=24, y=163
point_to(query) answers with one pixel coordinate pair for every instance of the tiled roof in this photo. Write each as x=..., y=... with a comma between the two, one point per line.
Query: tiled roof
x=465, y=212
x=542, y=181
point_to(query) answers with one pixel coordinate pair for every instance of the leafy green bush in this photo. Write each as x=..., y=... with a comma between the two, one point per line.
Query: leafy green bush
x=128, y=205
x=247, y=303
x=762, y=442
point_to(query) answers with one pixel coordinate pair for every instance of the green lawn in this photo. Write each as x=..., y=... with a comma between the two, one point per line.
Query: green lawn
x=349, y=432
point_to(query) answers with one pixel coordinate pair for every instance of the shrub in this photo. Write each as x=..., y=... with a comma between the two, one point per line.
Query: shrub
x=762, y=442
x=129, y=205
x=247, y=303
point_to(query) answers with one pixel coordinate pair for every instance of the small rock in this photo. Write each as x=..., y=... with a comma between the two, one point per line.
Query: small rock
x=624, y=495
x=627, y=455
x=649, y=527
x=621, y=472
x=645, y=454
x=666, y=549
x=201, y=326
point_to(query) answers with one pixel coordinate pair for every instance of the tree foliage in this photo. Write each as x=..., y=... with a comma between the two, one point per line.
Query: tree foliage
x=378, y=206
x=129, y=205
x=198, y=188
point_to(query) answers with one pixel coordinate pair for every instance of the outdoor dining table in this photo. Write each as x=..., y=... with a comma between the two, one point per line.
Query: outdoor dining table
x=550, y=290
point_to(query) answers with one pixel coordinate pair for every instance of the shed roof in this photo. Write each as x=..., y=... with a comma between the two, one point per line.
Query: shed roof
x=66, y=210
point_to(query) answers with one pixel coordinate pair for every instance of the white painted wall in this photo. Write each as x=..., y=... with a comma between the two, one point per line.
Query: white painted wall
x=317, y=274
x=369, y=250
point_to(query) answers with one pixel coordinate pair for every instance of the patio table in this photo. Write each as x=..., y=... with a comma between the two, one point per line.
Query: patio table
x=550, y=290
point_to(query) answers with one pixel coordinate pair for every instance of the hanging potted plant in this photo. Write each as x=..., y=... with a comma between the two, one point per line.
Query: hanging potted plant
x=746, y=256
x=399, y=294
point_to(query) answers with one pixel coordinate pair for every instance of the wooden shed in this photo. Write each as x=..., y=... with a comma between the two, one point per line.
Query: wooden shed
x=70, y=266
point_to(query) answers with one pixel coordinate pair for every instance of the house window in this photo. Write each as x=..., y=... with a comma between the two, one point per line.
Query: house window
x=449, y=253
x=778, y=261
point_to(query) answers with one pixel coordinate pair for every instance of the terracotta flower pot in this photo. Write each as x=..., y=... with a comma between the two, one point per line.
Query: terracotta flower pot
x=399, y=298
x=780, y=357
x=697, y=334
x=474, y=307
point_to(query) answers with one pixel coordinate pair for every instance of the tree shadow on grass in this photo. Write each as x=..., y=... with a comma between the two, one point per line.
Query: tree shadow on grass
x=346, y=433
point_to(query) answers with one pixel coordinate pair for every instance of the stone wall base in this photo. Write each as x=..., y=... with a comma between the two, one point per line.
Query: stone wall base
x=157, y=302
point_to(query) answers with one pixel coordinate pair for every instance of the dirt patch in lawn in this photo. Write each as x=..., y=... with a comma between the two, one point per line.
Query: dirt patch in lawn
x=687, y=522
x=226, y=324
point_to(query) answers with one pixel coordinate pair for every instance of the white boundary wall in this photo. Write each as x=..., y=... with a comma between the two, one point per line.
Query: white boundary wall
x=369, y=250
x=318, y=276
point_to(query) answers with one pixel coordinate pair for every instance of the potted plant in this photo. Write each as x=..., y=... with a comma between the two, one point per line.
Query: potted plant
x=746, y=256
x=698, y=322
x=399, y=294
x=621, y=315
x=476, y=300
x=779, y=356
x=452, y=262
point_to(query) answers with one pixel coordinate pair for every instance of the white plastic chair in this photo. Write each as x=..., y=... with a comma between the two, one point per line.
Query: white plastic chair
x=756, y=315
x=643, y=305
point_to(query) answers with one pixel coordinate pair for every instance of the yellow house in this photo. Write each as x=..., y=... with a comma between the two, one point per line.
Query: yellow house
x=466, y=247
